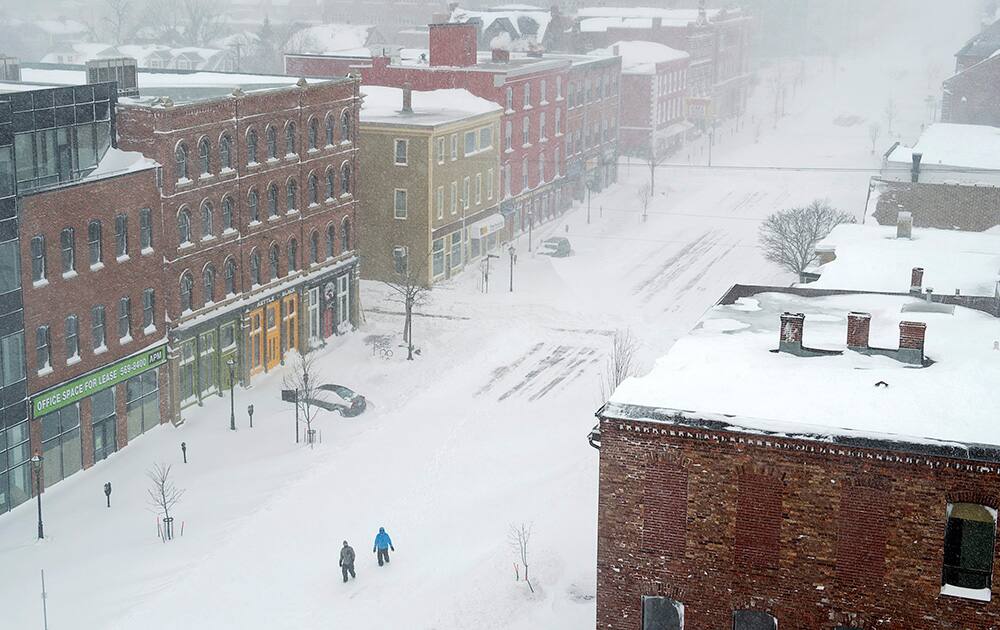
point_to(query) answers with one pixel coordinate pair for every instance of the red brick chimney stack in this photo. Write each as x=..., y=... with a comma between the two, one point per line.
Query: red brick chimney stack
x=917, y=280
x=858, y=329
x=790, y=339
x=407, y=98
x=911, y=341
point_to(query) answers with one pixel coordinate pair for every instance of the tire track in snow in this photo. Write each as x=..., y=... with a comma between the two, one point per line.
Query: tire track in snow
x=583, y=355
x=546, y=363
x=676, y=265
x=502, y=371
x=693, y=282
x=667, y=264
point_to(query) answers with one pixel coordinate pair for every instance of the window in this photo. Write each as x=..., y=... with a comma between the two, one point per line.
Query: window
x=208, y=283
x=67, y=243
x=437, y=257
x=525, y=131
x=331, y=179
x=345, y=235
x=230, y=272
x=94, y=242
x=272, y=263
x=507, y=132
x=290, y=144
x=456, y=249
x=331, y=240
x=97, y=327
x=662, y=613
x=72, y=338
x=489, y=184
x=253, y=201
x=251, y=147
x=968, y=548
x=61, y=446
x=753, y=620
x=187, y=290
x=555, y=162
x=142, y=403
x=226, y=152
x=453, y=202
x=205, y=156
x=510, y=99
x=524, y=174
x=121, y=235
x=12, y=359
x=506, y=180
x=400, y=152
x=470, y=142
x=145, y=229
x=558, y=122
x=207, y=221
x=345, y=126
x=399, y=258
x=313, y=134
x=181, y=162
x=6, y=176
x=440, y=150
x=313, y=190
x=255, y=269
x=37, y=258
x=124, y=318
x=479, y=188
x=485, y=138
x=184, y=227
x=43, y=355
x=439, y=202
x=314, y=248
x=527, y=95
x=543, y=96
x=227, y=214
x=466, y=185
x=559, y=88
x=292, y=195
x=272, y=143
x=148, y=306
x=272, y=201
x=345, y=179
x=399, y=204
x=541, y=127
x=103, y=420
x=329, y=129
x=293, y=255
x=454, y=146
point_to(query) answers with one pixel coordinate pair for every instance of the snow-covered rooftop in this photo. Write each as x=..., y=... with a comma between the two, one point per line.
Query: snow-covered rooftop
x=953, y=145
x=117, y=162
x=528, y=21
x=871, y=258
x=599, y=19
x=725, y=370
x=641, y=57
x=434, y=107
x=324, y=38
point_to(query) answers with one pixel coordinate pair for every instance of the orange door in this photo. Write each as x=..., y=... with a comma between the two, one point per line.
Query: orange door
x=290, y=324
x=273, y=334
x=256, y=341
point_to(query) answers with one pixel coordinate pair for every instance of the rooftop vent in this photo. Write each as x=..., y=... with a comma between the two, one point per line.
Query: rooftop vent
x=10, y=69
x=121, y=70
x=904, y=225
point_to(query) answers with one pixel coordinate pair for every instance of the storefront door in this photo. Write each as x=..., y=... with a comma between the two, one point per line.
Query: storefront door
x=290, y=321
x=256, y=341
x=273, y=317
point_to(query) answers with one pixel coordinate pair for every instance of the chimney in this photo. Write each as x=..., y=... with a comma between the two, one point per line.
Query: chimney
x=501, y=55
x=915, y=169
x=453, y=44
x=858, y=328
x=916, y=280
x=10, y=69
x=904, y=225
x=911, y=342
x=407, y=98
x=791, y=332
x=929, y=295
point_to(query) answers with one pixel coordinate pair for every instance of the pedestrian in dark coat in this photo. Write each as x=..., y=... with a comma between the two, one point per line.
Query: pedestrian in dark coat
x=382, y=545
x=347, y=561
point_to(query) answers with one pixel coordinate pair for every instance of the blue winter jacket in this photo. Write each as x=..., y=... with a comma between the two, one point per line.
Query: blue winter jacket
x=382, y=540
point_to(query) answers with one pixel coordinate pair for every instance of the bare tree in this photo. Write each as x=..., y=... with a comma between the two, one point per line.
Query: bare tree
x=621, y=363
x=874, y=131
x=890, y=112
x=163, y=495
x=409, y=283
x=305, y=378
x=788, y=237
x=118, y=19
x=643, y=194
x=190, y=22
x=519, y=537
x=653, y=159
x=776, y=84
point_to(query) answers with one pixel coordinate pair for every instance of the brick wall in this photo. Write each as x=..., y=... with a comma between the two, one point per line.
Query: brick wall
x=945, y=206
x=859, y=537
x=452, y=44
x=973, y=97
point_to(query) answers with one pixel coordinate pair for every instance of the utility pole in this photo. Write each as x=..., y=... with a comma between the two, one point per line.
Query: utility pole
x=486, y=283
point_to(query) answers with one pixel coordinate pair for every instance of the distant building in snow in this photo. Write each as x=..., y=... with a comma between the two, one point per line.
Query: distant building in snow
x=147, y=56
x=334, y=38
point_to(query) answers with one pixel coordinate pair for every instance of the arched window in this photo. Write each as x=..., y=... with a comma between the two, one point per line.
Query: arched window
x=314, y=248
x=72, y=337
x=313, y=189
x=205, y=156
x=331, y=240
x=255, y=268
x=226, y=151
x=290, y=144
x=67, y=242
x=272, y=200
x=272, y=262
x=293, y=255
x=37, y=258
x=313, y=134
x=187, y=285
x=94, y=242
x=208, y=280
x=345, y=179
x=272, y=143
x=184, y=226
x=253, y=201
x=292, y=194
x=345, y=126
x=345, y=235
x=251, y=146
x=230, y=271
x=207, y=221
x=181, y=161
x=329, y=129
x=227, y=214
x=331, y=183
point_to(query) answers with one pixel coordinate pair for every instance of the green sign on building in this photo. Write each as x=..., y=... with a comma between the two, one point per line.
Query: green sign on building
x=72, y=391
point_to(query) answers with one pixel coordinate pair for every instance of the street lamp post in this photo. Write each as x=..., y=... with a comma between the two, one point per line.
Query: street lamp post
x=36, y=465
x=232, y=400
x=513, y=259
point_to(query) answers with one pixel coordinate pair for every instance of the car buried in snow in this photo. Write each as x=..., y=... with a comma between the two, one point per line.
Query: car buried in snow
x=343, y=400
x=556, y=246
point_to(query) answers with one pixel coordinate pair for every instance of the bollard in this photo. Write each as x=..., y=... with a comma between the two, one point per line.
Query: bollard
x=184, y=451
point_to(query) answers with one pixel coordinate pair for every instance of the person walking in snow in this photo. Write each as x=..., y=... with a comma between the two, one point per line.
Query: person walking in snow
x=382, y=545
x=347, y=561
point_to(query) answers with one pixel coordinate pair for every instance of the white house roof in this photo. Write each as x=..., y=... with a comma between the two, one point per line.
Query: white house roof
x=953, y=145
x=433, y=107
x=642, y=57
x=513, y=13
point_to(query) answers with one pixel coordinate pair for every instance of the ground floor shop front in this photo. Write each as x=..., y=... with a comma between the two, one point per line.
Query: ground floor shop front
x=455, y=245
x=536, y=206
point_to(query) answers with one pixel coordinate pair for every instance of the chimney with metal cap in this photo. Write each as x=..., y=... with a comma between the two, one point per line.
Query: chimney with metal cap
x=916, y=280
x=407, y=98
x=858, y=329
x=911, y=342
x=904, y=225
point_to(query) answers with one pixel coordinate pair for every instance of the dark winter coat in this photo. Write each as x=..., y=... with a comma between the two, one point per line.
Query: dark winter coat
x=382, y=540
x=346, y=556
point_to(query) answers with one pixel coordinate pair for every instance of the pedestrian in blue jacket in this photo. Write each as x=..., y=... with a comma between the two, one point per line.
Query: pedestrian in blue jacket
x=382, y=545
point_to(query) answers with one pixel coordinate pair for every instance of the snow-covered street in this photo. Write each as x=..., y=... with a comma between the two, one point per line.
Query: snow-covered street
x=487, y=427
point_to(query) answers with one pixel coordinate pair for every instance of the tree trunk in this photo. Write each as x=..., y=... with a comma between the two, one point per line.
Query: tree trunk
x=409, y=329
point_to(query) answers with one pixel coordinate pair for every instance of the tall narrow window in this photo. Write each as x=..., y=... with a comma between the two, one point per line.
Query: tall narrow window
x=253, y=203
x=510, y=99
x=251, y=147
x=43, y=356
x=329, y=129
x=121, y=235
x=454, y=146
x=489, y=184
x=148, y=309
x=230, y=272
x=226, y=152
x=97, y=327
x=205, y=155
x=439, y=202
x=313, y=190
x=525, y=131
x=558, y=122
x=314, y=248
x=399, y=206
x=968, y=549
x=181, y=162
x=400, y=152
x=291, y=195
x=466, y=186
x=184, y=227
x=38, y=258
x=187, y=288
x=313, y=134
x=94, y=242
x=345, y=235
x=208, y=283
x=543, y=95
x=272, y=143
x=345, y=126
x=331, y=241
x=272, y=201
x=527, y=95
x=508, y=129
x=440, y=150
x=227, y=214
x=255, y=269
x=345, y=179
x=207, y=221
x=453, y=201
x=331, y=180
x=124, y=318
x=272, y=263
x=293, y=255
x=145, y=229
x=67, y=243
x=291, y=147
x=72, y=337
x=479, y=188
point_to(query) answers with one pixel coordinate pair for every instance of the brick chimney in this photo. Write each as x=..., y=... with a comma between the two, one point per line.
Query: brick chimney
x=904, y=225
x=915, y=167
x=453, y=44
x=911, y=342
x=791, y=332
x=407, y=98
x=917, y=280
x=858, y=328
x=501, y=55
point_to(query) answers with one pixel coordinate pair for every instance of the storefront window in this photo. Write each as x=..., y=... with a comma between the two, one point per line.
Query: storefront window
x=438, y=257
x=227, y=336
x=207, y=363
x=344, y=299
x=142, y=403
x=61, y=446
x=314, y=319
x=15, y=483
x=187, y=372
x=456, y=249
x=102, y=414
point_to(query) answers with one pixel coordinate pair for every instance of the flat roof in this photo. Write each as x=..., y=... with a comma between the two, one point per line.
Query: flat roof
x=641, y=57
x=871, y=258
x=954, y=145
x=726, y=372
x=430, y=108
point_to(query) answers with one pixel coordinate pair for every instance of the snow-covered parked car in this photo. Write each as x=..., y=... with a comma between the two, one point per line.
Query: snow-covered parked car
x=556, y=246
x=343, y=400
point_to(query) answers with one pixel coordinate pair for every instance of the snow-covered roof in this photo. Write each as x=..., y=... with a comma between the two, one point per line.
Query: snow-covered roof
x=726, y=370
x=641, y=57
x=871, y=258
x=527, y=21
x=324, y=38
x=599, y=19
x=118, y=162
x=434, y=107
x=953, y=145
x=144, y=54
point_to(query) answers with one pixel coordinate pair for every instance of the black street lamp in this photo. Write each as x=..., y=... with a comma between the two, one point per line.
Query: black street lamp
x=232, y=401
x=36, y=465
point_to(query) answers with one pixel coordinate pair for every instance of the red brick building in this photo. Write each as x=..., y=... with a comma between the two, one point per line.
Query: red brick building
x=972, y=96
x=815, y=471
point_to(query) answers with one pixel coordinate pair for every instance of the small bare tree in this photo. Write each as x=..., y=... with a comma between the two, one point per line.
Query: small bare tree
x=519, y=537
x=643, y=194
x=890, y=113
x=409, y=283
x=621, y=363
x=163, y=495
x=874, y=131
x=788, y=237
x=653, y=159
x=305, y=378
x=117, y=19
